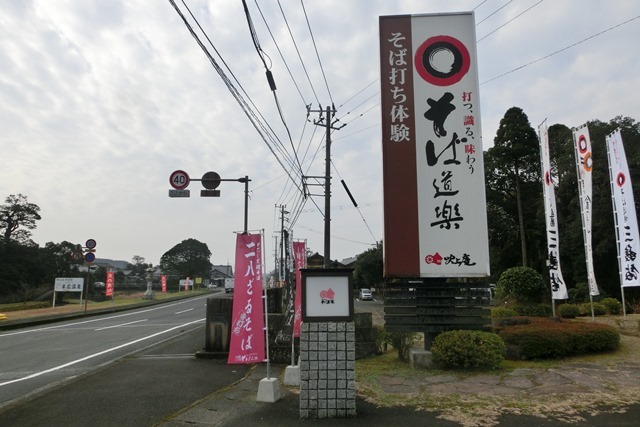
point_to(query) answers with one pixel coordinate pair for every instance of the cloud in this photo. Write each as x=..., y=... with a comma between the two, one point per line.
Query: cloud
x=103, y=100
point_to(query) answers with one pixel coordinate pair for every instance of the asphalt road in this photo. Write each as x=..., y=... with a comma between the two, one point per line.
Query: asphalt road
x=41, y=357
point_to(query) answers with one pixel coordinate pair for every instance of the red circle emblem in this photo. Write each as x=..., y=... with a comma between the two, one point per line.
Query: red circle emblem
x=425, y=55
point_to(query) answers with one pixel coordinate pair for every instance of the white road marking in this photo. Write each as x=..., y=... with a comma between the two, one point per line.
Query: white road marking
x=183, y=311
x=121, y=324
x=91, y=356
x=97, y=320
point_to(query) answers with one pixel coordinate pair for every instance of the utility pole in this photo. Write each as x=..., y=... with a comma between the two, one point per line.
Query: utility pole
x=327, y=122
x=282, y=263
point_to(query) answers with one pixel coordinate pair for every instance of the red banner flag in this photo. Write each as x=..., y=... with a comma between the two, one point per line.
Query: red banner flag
x=247, y=328
x=110, y=284
x=300, y=261
x=163, y=283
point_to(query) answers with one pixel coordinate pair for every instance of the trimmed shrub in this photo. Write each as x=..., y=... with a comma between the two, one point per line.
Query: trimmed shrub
x=381, y=338
x=598, y=309
x=537, y=310
x=612, y=305
x=549, y=339
x=523, y=284
x=569, y=311
x=468, y=350
x=502, y=312
x=579, y=293
x=403, y=341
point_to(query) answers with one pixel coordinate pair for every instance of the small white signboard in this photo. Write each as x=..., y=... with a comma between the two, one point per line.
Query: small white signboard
x=68, y=284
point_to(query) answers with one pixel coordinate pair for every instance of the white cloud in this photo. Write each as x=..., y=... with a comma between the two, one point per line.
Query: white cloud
x=103, y=100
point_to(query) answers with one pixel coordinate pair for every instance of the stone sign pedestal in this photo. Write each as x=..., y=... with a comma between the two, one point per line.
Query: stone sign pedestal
x=327, y=370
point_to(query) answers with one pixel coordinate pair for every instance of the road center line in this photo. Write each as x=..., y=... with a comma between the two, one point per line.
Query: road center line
x=158, y=307
x=91, y=356
x=183, y=311
x=121, y=324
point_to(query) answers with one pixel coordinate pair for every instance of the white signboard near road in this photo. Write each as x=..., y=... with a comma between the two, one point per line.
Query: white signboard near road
x=68, y=284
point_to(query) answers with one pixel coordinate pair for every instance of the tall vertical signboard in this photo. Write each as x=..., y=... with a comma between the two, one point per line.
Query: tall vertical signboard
x=435, y=222
x=247, y=341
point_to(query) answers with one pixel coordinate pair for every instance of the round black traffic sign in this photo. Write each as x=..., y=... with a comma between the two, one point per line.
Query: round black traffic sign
x=210, y=180
x=179, y=180
x=90, y=244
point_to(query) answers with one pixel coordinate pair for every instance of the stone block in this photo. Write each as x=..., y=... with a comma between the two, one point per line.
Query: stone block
x=420, y=358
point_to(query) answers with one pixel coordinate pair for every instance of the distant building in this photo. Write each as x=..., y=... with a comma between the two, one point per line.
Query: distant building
x=219, y=273
x=317, y=261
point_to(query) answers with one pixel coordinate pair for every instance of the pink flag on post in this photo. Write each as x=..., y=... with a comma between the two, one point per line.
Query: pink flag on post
x=247, y=328
x=300, y=258
x=110, y=284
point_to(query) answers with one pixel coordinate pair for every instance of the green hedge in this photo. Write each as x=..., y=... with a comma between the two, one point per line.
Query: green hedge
x=468, y=350
x=502, y=312
x=549, y=339
x=19, y=306
x=534, y=310
x=612, y=305
x=569, y=311
x=598, y=309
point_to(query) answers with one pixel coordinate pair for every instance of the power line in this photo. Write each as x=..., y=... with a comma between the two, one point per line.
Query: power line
x=280, y=52
x=509, y=21
x=562, y=50
x=272, y=84
x=324, y=76
x=298, y=52
x=494, y=12
x=261, y=128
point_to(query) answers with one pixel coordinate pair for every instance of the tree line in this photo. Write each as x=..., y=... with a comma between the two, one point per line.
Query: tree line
x=515, y=203
x=28, y=270
x=515, y=213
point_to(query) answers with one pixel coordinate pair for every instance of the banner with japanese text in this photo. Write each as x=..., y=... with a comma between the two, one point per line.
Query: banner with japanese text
x=558, y=287
x=624, y=211
x=163, y=283
x=110, y=282
x=584, y=166
x=247, y=343
x=300, y=261
x=435, y=221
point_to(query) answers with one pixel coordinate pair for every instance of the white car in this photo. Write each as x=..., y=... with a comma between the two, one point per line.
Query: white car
x=365, y=294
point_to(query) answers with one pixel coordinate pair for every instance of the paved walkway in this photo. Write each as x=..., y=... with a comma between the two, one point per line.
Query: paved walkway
x=585, y=394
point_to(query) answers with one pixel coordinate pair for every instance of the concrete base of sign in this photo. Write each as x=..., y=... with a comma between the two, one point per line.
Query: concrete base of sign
x=269, y=390
x=420, y=358
x=292, y=375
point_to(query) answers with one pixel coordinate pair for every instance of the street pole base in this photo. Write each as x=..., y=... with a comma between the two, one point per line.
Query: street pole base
x=269, y=390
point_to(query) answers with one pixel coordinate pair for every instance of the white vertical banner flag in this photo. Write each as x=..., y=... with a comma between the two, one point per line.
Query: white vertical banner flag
x=584, y=165
x=624, y=210
x=558, y=287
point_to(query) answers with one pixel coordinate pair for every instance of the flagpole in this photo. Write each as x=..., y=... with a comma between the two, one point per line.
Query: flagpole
x=266, y=308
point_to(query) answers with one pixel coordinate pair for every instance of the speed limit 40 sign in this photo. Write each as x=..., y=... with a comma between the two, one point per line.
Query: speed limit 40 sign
x=179, y=180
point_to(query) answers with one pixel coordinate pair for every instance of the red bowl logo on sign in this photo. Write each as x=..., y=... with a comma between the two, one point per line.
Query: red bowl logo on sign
x=433, y=52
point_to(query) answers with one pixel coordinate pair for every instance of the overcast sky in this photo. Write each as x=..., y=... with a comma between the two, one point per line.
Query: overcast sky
x=103, y=99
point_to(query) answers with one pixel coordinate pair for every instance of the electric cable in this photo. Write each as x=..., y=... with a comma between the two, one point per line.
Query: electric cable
x=509, y=21
x=324, y=76
x=562, y=50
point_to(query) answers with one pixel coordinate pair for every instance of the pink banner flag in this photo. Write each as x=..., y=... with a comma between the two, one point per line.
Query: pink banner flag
x=247, y=328
x=300, y=255
x=110, y=284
